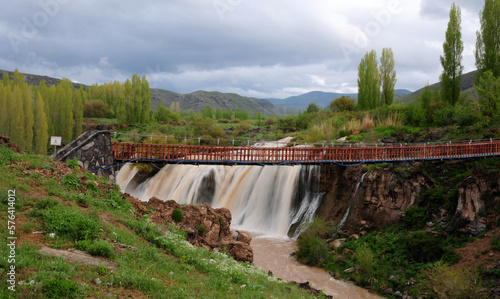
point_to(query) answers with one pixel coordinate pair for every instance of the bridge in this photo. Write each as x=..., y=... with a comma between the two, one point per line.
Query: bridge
x=127, y=152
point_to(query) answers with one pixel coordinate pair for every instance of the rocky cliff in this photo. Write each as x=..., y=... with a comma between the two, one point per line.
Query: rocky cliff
x=459, y=195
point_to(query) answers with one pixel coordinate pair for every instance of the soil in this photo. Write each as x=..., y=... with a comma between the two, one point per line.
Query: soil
x=479, y=252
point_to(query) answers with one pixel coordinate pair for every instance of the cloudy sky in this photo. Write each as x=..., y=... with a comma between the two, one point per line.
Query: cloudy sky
x=259, y=48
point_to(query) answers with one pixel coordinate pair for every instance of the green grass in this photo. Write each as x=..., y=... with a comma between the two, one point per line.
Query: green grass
x=160, y=263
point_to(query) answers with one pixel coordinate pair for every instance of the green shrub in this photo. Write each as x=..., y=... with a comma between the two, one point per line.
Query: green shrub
x=72, y=163
x=202, y=230
x=424, y=247
x=70, y=181
x=448, y=283
x=57, y=288
x=102, y=248
x=495, y=244
x=415, y=218
x=365, y=259
x=312, y=250
x=177, y=215
x=450, y=257
x=71, y=224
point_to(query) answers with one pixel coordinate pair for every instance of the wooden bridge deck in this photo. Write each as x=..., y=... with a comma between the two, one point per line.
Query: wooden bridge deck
x=314, y=155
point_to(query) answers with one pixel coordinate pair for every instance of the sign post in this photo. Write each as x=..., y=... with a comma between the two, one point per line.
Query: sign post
x=55, y=141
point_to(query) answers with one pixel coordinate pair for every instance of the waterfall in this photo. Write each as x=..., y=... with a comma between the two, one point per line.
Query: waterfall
x=263, y=199
x=346, y=214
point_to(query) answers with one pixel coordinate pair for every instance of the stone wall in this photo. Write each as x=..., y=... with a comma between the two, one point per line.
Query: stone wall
x=93, y=151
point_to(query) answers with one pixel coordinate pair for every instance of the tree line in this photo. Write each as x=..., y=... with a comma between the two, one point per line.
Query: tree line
x=376, y=84
x=30, y=114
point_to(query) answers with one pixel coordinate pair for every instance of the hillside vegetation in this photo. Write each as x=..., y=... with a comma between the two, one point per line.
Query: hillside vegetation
x=58, y=208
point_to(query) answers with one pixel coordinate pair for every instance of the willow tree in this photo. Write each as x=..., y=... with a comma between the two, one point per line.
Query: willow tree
x=488, y=39
x=368, y=81
x=387, y=76
x=451, y=62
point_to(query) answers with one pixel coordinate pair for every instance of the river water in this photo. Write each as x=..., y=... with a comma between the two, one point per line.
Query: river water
x=273, y=254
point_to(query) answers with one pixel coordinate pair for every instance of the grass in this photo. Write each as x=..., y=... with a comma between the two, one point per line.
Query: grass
x=161, y=263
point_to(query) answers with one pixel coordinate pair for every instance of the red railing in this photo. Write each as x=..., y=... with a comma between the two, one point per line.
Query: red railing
x=131, y=151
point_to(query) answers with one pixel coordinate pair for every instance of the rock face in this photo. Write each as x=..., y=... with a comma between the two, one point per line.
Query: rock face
x=470, y=204
x=205, y=227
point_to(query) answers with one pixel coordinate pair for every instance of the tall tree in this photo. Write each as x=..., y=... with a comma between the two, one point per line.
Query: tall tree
x=41, y=128
x=368, y=81
x=387, y=76
x=78, y=113
x=488, y=39
x=28, y=117
x=16, y=116
x=452, y=60
x=146, y=99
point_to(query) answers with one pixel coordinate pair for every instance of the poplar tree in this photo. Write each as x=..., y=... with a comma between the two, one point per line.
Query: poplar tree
x=451, y=62
x=16, y=116
x=137, y=99
x=488, y=39
x=3, y=109
x=368, y=81
x=41, y=128
x=388, y=76
x=177, y=107
x=28, y=118
x=146, y=99
x=78, y=113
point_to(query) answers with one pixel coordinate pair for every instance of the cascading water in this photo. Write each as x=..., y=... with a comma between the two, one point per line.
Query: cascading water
x=263, y=199
x=346, y=214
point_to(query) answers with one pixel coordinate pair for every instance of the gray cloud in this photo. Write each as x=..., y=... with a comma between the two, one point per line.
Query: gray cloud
x=256, y=48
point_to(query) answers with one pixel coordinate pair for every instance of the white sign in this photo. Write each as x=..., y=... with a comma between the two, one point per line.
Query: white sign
x=55, y=140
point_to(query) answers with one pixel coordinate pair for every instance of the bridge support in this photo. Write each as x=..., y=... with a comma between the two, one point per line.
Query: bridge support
x=93, y=151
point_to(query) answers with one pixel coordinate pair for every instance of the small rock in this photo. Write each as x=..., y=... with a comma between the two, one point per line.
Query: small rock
x=349, y=270
x=384, y=287
x=336, y=243
x=354, y=236
x=389, y=291
x=363, y=232
x=52, y=235
x=398, y=294
x=97, y=281
x=394, y=277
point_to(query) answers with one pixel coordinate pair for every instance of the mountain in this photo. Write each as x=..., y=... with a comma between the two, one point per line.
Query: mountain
x=322, y=99
x=466, y=85
x=36, y=79
x=198, y=100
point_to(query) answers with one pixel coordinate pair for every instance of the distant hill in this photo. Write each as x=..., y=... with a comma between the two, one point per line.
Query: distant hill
x=198, y=100
x=466, y=85
x=322, y=99
x=36, y=79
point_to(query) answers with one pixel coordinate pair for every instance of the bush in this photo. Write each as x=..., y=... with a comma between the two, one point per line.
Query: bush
x=365, y=259
x=202, y=230
x=177, y=215
x=97, y=109
x=423, y=247
x=70, y=181
x=71, y=224
x=495, y=244
x=415, y=218
x=72, y=163
x=102, y=248
x=57, y=288
x=313, y=250
x=448, y=283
